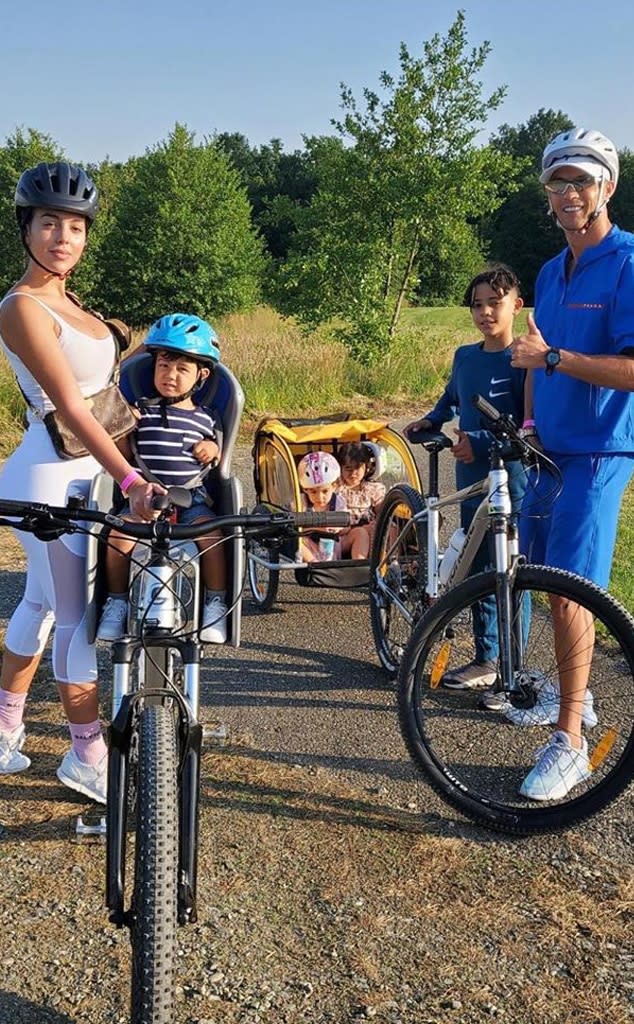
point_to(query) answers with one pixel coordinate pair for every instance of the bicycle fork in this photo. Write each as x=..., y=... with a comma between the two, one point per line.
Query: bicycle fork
x=122, y=736
x=505, y=534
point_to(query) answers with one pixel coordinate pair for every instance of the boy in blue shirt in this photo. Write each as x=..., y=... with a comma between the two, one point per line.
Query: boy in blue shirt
x=484, y=368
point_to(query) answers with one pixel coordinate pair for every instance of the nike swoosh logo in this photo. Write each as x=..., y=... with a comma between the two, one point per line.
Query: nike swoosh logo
x=497, y=394
x=499, y=380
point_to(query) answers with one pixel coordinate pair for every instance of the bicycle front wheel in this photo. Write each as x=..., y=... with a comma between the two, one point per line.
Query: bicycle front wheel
x=154, y=900
x=476, y=759
x=398, y=572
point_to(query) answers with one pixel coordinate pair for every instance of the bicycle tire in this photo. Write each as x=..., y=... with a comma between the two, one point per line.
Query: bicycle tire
x=476, y=759
x=264, y=583
x=154, y=900
x=398, y=574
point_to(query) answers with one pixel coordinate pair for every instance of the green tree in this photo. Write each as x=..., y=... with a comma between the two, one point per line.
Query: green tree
x=276, y=183
x=409, y=169
x=25, y=148
x=180, y=235
x=622, y=206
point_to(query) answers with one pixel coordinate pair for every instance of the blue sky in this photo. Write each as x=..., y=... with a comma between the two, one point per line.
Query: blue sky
x=111, y=79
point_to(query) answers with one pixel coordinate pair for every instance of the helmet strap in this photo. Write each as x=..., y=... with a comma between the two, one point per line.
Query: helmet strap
x=53, y=273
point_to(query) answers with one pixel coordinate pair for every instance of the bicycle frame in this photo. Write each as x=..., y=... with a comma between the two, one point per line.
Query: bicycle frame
x=154, y=650
x=493, y=516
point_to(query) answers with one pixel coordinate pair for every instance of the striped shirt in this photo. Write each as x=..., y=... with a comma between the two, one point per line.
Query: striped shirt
x=167, y=451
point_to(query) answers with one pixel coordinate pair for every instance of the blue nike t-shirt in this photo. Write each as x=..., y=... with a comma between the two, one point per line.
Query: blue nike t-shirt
x=490, y=374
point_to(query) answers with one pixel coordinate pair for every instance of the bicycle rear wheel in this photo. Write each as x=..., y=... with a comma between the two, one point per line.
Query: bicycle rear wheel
x=476, y=759
x=264, y=583
x=398, y=573
x=154, y=900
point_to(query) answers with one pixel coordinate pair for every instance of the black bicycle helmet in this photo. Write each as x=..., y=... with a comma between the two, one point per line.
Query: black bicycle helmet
x=56, y=186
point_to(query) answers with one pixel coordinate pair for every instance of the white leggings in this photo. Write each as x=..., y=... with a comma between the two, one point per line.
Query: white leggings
x=54, y=594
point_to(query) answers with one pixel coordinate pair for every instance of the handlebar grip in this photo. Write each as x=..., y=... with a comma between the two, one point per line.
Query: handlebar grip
x=181, y=497
x=486, y=408
x=323, y=520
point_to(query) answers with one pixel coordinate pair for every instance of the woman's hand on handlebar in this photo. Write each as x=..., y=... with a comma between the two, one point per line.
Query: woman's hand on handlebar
x=140, y=495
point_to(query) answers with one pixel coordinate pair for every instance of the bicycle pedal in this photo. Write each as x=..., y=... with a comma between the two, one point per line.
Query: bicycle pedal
x=89, y=828
x=215, y=735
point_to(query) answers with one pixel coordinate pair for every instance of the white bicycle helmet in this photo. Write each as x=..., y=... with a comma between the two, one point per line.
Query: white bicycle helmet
x=583, y=150
x=591, y=153
x=317, y=469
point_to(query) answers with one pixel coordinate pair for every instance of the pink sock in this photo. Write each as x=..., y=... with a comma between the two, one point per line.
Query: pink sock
x=11, y=710
x=88, y=741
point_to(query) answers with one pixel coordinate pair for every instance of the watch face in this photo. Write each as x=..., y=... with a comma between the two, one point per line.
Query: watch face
x=553, y=357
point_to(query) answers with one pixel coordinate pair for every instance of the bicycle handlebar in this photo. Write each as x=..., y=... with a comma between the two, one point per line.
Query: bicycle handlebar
x=50, y=521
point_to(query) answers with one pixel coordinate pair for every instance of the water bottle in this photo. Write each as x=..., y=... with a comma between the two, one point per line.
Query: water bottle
x=450, y=557
x=159, y=602
x=327, y=548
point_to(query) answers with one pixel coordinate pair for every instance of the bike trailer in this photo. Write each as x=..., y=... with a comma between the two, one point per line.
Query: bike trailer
x=279, y=446
x=222, y=393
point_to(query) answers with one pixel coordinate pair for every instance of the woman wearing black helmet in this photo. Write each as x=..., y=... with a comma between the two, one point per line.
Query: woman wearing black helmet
x=60, y=354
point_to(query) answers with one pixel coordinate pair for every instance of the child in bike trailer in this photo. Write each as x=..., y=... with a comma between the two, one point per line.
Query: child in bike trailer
x=493, y=297
x=176, y=443
x=360, y=462
x=318, y=473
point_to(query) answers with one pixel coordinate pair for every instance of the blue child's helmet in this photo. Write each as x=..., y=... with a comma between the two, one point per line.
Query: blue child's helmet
x=182, y=332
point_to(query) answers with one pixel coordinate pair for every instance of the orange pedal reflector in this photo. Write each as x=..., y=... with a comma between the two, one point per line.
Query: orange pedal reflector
x=439, y=667
x=602, y=749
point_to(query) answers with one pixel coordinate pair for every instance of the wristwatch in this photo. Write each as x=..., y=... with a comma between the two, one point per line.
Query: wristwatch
x=553, y=359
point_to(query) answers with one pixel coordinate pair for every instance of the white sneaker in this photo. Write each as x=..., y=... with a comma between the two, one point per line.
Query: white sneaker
x=471, y=676
x=114, y=619
x=214, y=627
x=89, y=779
x=11, y=760
x=558, y=769
x=545, y=711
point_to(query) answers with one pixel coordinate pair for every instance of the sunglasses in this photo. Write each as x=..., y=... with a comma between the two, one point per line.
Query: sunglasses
x=561, y=185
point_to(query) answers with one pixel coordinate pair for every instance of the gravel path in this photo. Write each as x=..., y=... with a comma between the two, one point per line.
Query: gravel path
x=334, y=885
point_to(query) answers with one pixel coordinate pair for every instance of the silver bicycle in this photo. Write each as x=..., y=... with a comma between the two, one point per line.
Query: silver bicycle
x=477, y=758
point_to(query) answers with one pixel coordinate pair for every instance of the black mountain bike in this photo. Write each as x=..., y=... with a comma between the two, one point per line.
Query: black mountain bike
x=155, y=737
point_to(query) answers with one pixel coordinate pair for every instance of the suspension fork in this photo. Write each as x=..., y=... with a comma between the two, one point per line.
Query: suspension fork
x=119, y=744
x=190, y=745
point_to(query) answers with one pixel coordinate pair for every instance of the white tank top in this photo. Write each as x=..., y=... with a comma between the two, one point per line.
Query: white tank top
x=91, y=361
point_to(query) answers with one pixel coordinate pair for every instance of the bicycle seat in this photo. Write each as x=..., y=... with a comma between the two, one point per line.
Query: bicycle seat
x=431, y=440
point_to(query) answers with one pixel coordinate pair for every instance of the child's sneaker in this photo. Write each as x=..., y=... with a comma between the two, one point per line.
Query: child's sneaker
x=90, y=780
x=558, y=769
x=545, y=711
x=214, y=627
x=494, y=700
x=114, y=619
x=11, y=760
x=471, y=676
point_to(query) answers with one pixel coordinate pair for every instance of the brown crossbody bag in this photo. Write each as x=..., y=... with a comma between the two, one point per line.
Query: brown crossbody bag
x=108, y=405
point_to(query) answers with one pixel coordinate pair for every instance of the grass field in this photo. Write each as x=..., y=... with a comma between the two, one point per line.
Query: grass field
x=285, y=371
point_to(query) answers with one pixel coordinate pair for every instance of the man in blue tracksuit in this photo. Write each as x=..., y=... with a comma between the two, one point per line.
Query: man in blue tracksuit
x=579, y=348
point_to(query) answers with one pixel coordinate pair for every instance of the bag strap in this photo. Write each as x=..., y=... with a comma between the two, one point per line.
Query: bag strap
x=120, y=331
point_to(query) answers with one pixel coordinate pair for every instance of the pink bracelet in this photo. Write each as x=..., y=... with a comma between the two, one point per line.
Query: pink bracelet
x=528, y=423
x=127, y=482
